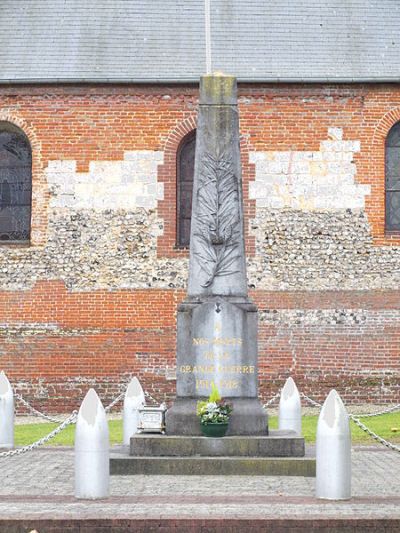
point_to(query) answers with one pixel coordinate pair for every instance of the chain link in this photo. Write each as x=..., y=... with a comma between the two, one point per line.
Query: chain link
x=70, y=420
x=114, y=402
x=272, y=400
x=358, y=415
x=150, y=397
x=355, y=419
x=118, y=398
x=383, y=412
x=374, y=435
x=34, y=411
x=310, y=400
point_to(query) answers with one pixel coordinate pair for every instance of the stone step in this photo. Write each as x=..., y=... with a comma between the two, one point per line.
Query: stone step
x=211, y=466
x=276, y=444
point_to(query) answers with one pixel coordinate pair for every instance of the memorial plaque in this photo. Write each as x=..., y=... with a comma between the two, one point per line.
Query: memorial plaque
x=151, y=420
x=219, y=354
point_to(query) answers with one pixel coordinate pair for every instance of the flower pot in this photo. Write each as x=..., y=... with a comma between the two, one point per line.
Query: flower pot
x=214, y=430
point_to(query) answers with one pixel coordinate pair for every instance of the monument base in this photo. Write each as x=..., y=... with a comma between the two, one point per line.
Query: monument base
x=279, y=443
x=248, y=417
x=282, y=453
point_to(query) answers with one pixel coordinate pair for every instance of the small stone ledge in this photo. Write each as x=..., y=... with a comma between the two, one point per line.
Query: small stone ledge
x=212, y=466
x=277, y=444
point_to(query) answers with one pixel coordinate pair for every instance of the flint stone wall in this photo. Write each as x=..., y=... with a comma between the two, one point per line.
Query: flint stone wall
x=103, y=226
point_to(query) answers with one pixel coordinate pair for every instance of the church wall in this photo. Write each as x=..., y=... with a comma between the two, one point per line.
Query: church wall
x=92, y=300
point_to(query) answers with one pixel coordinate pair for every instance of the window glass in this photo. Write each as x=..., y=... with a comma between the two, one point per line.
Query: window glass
x=185, y=173
x=15, y=184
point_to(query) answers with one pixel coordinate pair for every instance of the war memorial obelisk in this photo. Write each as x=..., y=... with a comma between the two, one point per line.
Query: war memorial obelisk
x=217, y=326
x=217, y=323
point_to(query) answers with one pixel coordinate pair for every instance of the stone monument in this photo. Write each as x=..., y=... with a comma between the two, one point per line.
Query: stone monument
x=217, y=323
x=217, y=326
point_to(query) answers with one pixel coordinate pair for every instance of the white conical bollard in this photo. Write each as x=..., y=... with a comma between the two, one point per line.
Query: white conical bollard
x=6, y=413
x=290, y=407
x=134, y=400
x=333, y=454
x=92, y=449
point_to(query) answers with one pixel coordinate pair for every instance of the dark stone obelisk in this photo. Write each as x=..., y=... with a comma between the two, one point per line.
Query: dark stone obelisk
x=217, y=323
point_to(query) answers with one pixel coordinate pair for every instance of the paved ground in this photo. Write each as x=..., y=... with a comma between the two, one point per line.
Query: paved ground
x=39, y=485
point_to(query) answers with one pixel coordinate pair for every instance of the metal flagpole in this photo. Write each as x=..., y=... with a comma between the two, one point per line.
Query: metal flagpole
x=208, y=35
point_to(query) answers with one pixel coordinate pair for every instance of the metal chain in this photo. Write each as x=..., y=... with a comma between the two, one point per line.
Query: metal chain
x=271, y=401
x=34, y=411
x=150, y=397
x=118, y=398
x=383, y=412
x=70, y=420
x=374, y=435
x=367, y=415
x=310, y=400
x=114, y=402
x=355, y=419
x=314, y=403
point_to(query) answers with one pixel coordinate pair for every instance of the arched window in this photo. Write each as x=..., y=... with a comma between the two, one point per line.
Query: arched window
x=15, y=184
x=392, y=179
x=185, y=172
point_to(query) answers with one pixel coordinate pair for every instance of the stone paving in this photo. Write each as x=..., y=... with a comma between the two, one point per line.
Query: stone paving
x=39, y=484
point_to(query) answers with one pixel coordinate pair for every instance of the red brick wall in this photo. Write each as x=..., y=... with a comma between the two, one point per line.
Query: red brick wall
x=100, y=123
x=104, y=337
x=359, y=357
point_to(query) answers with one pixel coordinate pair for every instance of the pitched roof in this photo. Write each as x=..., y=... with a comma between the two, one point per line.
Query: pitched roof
x=163, y=40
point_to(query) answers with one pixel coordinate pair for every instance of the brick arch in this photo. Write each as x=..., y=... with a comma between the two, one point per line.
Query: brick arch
x=375, y=202
x=384, y=125
x=167, y=174
x=40, y=193
x=7, y=116
x=166, y=244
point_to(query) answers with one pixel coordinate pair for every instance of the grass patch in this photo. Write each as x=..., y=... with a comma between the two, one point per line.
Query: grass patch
x=382, y=425
x=28, y=433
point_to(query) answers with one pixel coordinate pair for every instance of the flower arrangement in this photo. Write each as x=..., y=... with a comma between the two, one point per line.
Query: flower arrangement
x=215, y=410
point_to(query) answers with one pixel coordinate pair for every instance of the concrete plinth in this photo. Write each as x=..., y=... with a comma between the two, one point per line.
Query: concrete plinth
x=277, y=444
x=248, y=417
x=280, y=454
x=213, y=466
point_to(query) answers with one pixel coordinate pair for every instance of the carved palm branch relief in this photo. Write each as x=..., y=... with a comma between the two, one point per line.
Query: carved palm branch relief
x=218, y=221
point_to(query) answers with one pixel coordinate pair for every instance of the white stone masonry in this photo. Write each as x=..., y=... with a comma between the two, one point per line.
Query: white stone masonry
x=125, y=184
x=309, y=181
